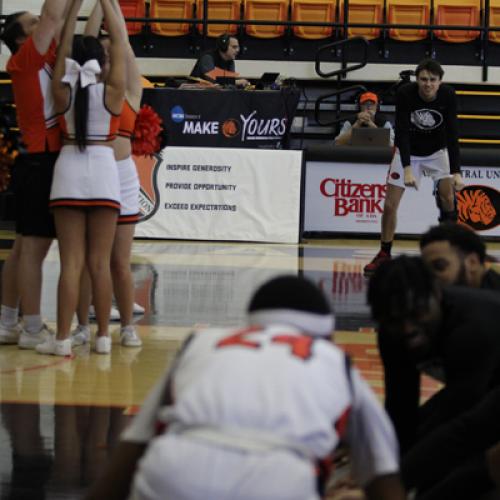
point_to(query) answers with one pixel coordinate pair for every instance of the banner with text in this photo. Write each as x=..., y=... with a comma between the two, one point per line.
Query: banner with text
x=225, y=118
x=349, y=197
x=220, y=194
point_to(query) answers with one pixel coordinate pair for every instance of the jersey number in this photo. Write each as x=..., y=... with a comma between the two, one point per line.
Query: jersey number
x=300, y=346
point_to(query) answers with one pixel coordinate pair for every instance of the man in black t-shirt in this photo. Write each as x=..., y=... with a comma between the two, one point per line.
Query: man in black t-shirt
x=426, y=143
x=449, y=333
x=221, y=58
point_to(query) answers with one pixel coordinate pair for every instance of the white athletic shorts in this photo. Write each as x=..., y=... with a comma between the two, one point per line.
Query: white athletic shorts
x=85, y=179
x=181, y=468
x=436, y=166
x=129, y=191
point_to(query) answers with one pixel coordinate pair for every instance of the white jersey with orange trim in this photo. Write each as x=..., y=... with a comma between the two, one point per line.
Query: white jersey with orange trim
x=102, y=124
x=31, y=74
x=260, y=390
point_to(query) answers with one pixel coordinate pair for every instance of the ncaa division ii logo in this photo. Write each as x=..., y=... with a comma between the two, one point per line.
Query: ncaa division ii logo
x=177, y=114
x=149, y=195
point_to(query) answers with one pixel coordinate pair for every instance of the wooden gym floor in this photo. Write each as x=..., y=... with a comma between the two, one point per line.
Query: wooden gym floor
x=60, y=418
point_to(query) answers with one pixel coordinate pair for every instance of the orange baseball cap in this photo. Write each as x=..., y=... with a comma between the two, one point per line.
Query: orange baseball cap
x=368, y=96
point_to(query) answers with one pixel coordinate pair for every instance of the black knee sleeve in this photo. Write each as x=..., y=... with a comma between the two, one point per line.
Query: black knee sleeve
x=448, y=216
x=444, y=216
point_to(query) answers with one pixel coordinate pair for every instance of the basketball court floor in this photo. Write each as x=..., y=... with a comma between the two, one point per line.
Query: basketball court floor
x=60, y=418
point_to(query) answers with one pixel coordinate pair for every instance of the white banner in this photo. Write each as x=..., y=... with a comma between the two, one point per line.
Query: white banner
x=221, y=194
x=349, y=197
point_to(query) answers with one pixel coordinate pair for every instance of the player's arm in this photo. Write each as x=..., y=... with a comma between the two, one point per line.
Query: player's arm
x=345, y=134
x=94, y=21
x=59, y=89
x=133, y=75
x=402, y=136
x=52, y=17
x=116, y=482
x=373, y=445
x=386, y=487
x=402, y=388
x=115, y=83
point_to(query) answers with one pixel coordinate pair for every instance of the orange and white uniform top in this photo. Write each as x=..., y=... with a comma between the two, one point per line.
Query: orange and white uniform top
x=102, y=124
x=262, y=391
x=31, y=74
x=87, y=177
x=127, y=121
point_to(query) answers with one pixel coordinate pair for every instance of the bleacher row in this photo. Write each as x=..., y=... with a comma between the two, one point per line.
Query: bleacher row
x=461, y=13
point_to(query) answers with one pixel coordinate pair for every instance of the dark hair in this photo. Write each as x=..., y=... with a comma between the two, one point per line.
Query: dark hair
x=290, y=292
x=222, y=42
x=430, y=65
x=12, y=30
x=458, y=236
x=85, y=48
x=400, y=287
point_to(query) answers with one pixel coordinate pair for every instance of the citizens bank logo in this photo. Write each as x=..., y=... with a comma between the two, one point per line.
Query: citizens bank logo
x=177, y=114
x=353, y=198
x=149, y=195
x=479, y=207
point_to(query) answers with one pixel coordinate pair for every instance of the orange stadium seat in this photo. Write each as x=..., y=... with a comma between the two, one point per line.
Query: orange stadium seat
x=311, y=11
x=266, y=10
x=363, y=11
x=174, y=9
x=220, y=9
x=133, y=8
x=408, y=12
x=463, y=13
x=494, y=36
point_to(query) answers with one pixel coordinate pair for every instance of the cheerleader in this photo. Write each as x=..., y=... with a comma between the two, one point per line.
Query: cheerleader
x=85, y=194
x=129, y=189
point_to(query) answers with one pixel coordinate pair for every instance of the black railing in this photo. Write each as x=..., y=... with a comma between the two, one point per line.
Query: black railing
x=342, y=26
x=339, y=74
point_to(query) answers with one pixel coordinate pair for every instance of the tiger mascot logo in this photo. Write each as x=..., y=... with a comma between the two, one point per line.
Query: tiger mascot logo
x=479, y=207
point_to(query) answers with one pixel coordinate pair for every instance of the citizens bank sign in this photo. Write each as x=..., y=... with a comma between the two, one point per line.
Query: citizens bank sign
x=349, y=198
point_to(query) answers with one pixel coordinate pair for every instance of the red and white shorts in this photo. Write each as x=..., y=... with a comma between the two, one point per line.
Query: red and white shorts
x=436, y=166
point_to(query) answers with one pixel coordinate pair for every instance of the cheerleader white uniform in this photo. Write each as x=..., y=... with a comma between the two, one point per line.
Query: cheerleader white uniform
x=127, y=171
x=88, y=178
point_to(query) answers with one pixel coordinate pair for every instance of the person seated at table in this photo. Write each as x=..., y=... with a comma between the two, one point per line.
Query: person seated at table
x=220, y=61
x=368, y=116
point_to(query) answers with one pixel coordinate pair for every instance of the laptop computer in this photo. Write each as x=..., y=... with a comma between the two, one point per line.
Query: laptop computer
x=367, y=136
x=266, y=80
